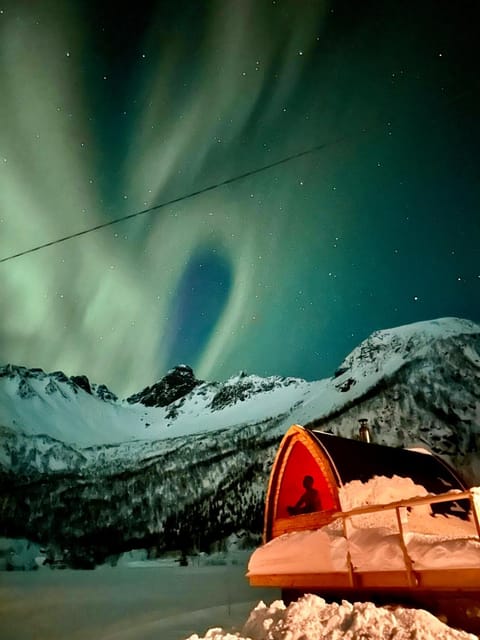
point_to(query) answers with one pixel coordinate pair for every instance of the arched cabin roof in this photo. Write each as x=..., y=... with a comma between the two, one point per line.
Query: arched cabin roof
x=333, y=461
x=358, y=460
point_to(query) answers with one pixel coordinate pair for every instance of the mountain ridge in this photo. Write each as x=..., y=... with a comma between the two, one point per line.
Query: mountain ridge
x=195, y=470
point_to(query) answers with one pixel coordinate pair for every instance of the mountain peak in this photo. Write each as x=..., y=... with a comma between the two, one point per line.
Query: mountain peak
x=242, y=387
x=389, y=349
x=36, y=382
x=174, y=385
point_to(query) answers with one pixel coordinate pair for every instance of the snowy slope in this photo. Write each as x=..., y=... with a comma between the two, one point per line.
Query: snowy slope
x=441, y=355
x=85, y=471
x=418, y=385
x=37, y=403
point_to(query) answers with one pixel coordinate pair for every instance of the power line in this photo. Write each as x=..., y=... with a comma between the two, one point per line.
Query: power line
x=378, y=128
x=187, y=196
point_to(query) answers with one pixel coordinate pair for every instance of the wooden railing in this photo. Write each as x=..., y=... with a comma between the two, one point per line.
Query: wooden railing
x=451, y=496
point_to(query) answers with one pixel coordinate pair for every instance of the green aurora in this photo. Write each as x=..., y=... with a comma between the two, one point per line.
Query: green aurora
x=105, y=112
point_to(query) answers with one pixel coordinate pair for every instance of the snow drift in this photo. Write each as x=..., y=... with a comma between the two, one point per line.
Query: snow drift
x=311, y=618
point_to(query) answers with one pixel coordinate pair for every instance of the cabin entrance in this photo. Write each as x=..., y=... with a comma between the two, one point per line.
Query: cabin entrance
x=302, y=478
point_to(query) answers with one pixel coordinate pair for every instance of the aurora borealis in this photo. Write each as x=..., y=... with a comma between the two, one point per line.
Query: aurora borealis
x=105, y=111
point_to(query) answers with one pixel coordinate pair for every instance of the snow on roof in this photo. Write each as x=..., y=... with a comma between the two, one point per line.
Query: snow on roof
x=378, y=490
x=373, y=540
x=311, y=618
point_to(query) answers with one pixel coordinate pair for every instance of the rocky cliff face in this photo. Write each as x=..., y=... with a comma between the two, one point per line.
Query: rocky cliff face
x=191, y=472
x=176, y=384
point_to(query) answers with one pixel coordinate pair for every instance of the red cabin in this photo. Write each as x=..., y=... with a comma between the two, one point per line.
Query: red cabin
x=332, y=464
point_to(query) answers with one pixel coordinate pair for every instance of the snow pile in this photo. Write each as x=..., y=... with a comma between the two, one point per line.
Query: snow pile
x=373, y=540
x=19, y=554
x=436, y=552
x=320, y=551
x=378, y=490
x=311, y=618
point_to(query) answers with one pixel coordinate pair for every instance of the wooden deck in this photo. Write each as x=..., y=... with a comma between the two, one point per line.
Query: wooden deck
x=447, y=580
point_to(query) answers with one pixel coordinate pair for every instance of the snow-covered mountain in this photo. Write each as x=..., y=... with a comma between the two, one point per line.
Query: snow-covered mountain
x=37, y=403
x=185, y=462
x=417, y=384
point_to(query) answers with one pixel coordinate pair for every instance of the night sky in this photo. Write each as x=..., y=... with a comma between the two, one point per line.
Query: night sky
x=107, y=110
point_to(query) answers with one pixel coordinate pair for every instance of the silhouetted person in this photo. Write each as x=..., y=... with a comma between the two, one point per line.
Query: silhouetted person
x=309, y=501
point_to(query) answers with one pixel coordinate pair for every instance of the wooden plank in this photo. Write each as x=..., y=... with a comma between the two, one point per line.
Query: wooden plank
x=382, y=580
x=302, y=522
x=333, y=580
x=475, y=514
x=449, y=496
x=412, y=580
x=351, y=569
x=302, y=581
x=458, y=579
x=434, y=580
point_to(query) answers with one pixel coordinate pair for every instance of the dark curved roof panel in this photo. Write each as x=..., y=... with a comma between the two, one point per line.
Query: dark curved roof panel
x=358, y=460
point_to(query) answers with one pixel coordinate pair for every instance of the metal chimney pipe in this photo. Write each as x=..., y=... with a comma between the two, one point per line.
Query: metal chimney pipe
x=364, y=431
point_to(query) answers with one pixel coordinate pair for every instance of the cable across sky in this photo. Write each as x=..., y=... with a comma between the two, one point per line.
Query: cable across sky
x=186, y=196
x=212, y=187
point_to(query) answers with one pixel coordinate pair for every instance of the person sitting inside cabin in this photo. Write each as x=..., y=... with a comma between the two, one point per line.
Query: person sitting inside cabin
x=309, y=501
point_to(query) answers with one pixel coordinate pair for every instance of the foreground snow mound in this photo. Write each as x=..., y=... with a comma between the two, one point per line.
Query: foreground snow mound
x=311, y=618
